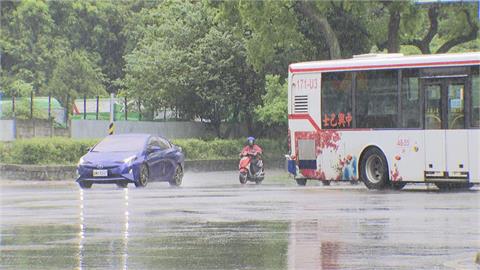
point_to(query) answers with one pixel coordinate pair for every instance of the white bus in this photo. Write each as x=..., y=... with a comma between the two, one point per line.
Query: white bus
x=386, y=120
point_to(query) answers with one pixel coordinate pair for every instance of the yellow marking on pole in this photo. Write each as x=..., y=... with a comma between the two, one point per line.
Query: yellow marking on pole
x=111, y=128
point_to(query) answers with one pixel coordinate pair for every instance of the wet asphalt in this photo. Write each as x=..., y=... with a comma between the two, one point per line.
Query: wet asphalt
x=213, y=222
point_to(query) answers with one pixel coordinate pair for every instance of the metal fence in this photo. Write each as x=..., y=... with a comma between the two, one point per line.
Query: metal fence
x=61, y=110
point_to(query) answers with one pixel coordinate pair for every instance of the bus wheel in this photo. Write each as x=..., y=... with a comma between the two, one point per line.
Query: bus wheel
x=301, y=181
x=374, y=169
x=326, y=182
x=397, y=185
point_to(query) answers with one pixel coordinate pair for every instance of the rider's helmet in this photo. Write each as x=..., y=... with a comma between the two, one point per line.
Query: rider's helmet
x=250, y=141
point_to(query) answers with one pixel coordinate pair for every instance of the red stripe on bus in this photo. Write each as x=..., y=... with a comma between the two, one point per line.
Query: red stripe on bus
x=386, y=66
x=317, y=128
x=305, y=117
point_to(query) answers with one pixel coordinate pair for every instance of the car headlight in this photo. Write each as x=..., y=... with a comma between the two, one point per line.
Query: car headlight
x=129, y=160
x=80, y=162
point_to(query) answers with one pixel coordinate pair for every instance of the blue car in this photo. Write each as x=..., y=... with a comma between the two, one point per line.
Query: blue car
x=131, y=158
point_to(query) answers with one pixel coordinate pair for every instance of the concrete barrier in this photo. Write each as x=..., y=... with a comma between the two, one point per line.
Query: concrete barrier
x=68, y=172
x=37, y=172
x=7, y=130
x=83, y=129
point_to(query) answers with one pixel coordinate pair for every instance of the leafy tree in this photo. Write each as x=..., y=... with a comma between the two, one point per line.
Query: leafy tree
x=75, y=75
x=28, y=49
x=448, y=26
x=223, y=80
x=96, y=27
x=185, y=61
x=274, y=109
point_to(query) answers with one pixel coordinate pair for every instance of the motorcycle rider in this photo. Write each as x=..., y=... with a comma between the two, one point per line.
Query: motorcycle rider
x=256, y=151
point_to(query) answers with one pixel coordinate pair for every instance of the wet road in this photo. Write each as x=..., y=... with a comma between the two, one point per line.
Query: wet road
x=212, y=222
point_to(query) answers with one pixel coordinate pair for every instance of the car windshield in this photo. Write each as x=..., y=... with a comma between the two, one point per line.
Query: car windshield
x=120, y=144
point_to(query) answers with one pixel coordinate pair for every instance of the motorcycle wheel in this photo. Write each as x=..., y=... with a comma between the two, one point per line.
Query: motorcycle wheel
x=243, y=178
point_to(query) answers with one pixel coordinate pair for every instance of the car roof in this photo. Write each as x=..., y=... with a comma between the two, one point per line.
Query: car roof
x=134, y=135
x=138, y=135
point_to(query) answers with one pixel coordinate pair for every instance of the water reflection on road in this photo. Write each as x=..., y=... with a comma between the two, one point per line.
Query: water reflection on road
x=214, y=223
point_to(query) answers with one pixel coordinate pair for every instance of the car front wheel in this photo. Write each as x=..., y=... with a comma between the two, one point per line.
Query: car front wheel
x=177, y=178
x=85, y=184
x=144, y=176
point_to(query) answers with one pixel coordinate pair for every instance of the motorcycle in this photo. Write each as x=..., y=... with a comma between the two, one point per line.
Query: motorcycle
x=251, y=171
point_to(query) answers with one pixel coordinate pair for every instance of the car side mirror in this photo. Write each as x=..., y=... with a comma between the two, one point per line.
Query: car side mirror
x=179, y=148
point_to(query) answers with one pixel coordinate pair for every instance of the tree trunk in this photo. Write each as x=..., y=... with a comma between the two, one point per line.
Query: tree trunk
x=321, y=24
x=424, y=44
x=393, y=44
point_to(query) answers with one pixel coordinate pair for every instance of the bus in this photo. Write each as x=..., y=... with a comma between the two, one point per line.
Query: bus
x=386, y=120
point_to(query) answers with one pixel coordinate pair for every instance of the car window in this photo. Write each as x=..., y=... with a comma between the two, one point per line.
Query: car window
x=153, y=142
x=120, y=144
x=164, y=144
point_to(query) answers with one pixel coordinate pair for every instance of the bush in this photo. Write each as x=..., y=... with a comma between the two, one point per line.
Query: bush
x=65, y=151
x=44, y=151
x=195, y=149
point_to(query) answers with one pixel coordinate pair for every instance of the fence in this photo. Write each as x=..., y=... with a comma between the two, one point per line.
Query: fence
x=85, y=108
x=45, y=108
x=26, y=117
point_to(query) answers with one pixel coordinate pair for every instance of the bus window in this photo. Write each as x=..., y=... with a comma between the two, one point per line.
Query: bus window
x=456, y=118
x=410, y=99
x=336, y=99
x=475, y=98
x=433, y=106
x=376, y=99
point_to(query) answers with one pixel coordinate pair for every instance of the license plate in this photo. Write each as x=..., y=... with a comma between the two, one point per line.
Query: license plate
x=100, y=173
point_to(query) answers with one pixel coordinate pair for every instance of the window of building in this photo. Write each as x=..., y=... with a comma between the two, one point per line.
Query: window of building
x=376, y=99
x=337, y=100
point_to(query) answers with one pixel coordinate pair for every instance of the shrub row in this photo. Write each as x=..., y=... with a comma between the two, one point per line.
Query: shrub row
x=68, y=151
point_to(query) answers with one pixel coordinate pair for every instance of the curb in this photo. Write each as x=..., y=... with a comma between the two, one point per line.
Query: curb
x=68, y=172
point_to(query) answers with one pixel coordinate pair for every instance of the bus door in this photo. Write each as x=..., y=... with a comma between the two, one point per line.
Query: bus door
x=446, y=139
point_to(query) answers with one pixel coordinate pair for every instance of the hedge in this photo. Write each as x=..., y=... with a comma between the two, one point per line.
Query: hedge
x=60, y=150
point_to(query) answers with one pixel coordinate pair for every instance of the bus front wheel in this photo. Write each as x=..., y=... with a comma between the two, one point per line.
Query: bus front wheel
x=374, y=169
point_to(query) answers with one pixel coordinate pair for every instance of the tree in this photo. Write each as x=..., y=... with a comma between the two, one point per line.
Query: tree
x=186, y=61
x=75, y=75
x=96, y=27
x=282, y=32
x=274, y=110
x=430, y=28
x=223, y=80
x=28, y=49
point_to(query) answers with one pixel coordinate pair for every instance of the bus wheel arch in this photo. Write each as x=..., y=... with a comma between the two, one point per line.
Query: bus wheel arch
x=373, y=168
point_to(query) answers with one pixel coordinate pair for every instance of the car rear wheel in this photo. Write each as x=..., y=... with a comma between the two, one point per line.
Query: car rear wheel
x=374, y=169
x=144, y=176
x=85, y=184
x=177, y=178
